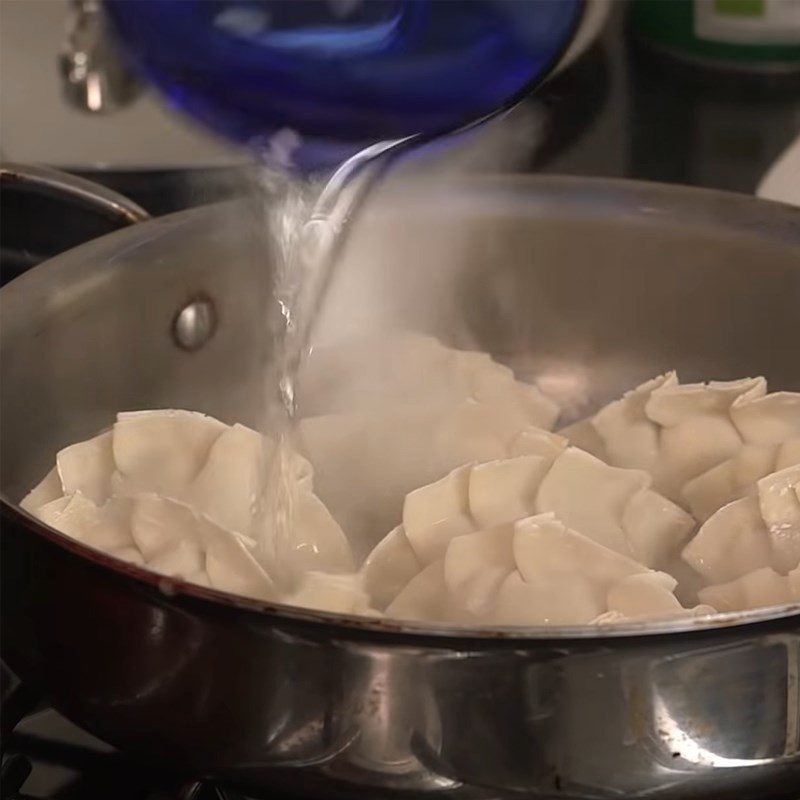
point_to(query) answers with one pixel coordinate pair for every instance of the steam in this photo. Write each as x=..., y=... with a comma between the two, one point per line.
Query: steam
x=401, y=270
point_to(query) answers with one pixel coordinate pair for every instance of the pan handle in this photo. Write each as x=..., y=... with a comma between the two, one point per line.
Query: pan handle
x=60, y=185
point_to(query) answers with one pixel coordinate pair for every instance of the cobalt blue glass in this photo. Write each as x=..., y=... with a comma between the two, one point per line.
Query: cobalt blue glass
x=343, y=73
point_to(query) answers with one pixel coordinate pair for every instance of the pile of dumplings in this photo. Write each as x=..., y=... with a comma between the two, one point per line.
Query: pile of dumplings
x=677, y=500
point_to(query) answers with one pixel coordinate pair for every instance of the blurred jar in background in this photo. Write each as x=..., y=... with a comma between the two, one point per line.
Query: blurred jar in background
x=739, y=35
x=715, y=89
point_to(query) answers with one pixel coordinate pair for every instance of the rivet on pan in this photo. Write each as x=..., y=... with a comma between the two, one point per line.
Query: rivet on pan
x=195, y=323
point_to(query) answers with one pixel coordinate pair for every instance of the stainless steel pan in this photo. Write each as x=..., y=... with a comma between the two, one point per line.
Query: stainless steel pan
x=587, y=285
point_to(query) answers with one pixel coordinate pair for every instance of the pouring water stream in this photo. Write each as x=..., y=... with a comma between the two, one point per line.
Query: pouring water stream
x=307, y=226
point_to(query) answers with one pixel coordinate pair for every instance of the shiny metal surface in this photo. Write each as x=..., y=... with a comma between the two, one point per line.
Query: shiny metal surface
x=587, y=286
x=94, y=76
x=195, y=323
x=63, y=186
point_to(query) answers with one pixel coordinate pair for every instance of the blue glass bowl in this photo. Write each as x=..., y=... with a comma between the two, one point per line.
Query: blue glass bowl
x=343, y=73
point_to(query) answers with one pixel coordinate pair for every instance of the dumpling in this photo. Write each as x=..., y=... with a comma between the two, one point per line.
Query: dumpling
x=317, y=543
x=645, y=595
x=610, y=506
x=629, y=437
x=183, y=559
x=779, y=503
x=554, y=600
x=86, y=467
x=232, y=477
x=613, y=506
x=398, y=413
x=475, y=566
x=697, y=432
x=105, y=527
x=589, y=496
x=704, y=444
x=537, y=442
x=340, y=594
x=655, y=528
x=436, y=513
x=389, y=567
x=505, y=491
x=47, y=490
x=161, y=451
x=169, y=534
x=731, y=543
x=756, y=589
x=732, y=479
x=231, y=567
x=544, y=546
x=768, y=420
x=424, y=598
x=158, y=523
x=762, y=531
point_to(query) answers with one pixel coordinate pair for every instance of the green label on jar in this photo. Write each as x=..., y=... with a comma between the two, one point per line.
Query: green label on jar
x=742, y=31
x=740, y=8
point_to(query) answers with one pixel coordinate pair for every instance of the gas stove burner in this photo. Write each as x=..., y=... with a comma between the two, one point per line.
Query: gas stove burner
x=45, y=757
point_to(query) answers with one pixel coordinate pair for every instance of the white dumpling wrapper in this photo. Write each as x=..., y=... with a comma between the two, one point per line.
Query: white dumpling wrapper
x=655, y=528
x=500, y=390
x=630, y=438
x=544, y=546
x=537, y=442
x=131, y=555
x=779, y=502
x=731, y=480
x=590, y=496
x=672, y=404
x=231, y=568
x=436, y=513
x=233, y=476
x=159, y=524
x=424, y=598
x=788, y=454
x=180, y=560
x=87, y=467
x=476, y=564
x=105, y=527
x=473, y=431
x=768, y=420
x=731, y=543
x=584, y=436
x=340, y=594
x=697, y=431
x=161, y=451
x=555, y=600
x=505, y=491
x=47, y=490
x=316, y=542
x=644, y=595
x=389, y=567
x=693, y=447
x=756, y=589
x=50, y=512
